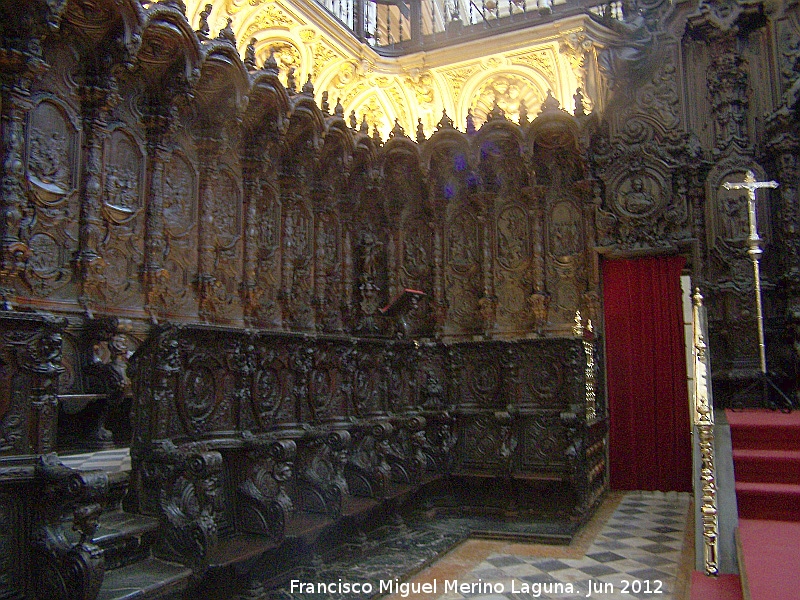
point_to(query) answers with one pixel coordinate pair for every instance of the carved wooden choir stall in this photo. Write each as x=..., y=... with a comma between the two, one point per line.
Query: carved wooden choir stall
x=301, y=329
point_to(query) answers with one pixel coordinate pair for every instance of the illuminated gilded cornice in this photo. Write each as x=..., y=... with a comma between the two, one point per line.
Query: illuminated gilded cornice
x=414, y=88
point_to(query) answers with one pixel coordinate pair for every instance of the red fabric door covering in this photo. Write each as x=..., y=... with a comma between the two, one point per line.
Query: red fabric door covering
x=650, y=442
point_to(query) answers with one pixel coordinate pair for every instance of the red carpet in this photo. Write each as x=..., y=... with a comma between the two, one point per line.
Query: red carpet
x=771, y=554
x=766, y=460
x=724, y=587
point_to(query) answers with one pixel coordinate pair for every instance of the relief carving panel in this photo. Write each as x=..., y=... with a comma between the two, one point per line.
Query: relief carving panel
x=49, y=219
x=463, y=273
x=226, y=241
x=564, y=269
x=121, y=243
x=298, y=262
x=513, y=266
x=180, y=234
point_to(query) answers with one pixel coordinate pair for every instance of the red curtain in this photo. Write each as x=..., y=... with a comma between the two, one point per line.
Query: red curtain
x=649, y=439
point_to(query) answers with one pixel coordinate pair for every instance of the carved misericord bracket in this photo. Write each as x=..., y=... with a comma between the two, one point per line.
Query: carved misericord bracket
x=67, y=570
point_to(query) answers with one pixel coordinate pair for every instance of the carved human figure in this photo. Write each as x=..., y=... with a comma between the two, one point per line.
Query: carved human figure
x=618, y=60
x=637, y=199
x=734, y=217
x=204, y=29
x=250, y=55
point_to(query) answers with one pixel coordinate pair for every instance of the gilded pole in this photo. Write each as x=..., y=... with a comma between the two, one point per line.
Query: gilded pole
x=703, y=419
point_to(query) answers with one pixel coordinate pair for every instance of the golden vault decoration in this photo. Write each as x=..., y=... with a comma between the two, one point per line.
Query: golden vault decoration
x=413, y=89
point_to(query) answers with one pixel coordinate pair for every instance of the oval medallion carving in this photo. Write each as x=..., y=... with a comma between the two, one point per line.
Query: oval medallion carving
x=267, y=396
x=201, y=393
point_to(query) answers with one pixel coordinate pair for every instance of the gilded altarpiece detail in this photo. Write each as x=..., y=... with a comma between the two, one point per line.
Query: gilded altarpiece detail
x=47, y=225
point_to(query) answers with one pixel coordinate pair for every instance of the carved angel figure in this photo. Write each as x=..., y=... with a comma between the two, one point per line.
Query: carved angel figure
x=622, y=58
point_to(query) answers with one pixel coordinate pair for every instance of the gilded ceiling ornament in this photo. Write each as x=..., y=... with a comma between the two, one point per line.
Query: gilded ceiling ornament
x=457, y=78
x=271, y=17
x=308, y=35
x=507, y=92
x=323, y=57
x=540, y=60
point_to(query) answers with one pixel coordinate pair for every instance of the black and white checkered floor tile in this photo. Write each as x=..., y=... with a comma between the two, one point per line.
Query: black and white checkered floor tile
x=636, y=555
x=110, y=461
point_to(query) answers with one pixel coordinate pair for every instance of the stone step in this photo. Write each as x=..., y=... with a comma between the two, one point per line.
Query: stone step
x=125, y=538
x=148, y=579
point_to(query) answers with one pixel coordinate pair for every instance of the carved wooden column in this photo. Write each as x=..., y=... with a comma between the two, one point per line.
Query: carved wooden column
x=285, y=294
x=438, y=279
x=347, y=279
x=154, y=275
x=392, y=260
x=90, y=265
x=207, y=146
x=15, y=93
x=539, y=300
x=320, y=280
x=788, y=219
x=252, y=166
x=488, y=302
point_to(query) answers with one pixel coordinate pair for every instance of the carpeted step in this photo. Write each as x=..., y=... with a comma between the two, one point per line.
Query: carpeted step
x=775, y=501
x=764, y=429
x=767, y=466
x=723, y=587
x=769, y=559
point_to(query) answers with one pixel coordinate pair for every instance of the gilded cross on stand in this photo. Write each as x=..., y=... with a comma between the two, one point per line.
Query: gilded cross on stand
x=754, y=250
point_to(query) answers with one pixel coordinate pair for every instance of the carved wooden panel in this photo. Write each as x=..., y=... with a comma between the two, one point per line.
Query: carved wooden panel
x=226, y=243
x=543, y=442
x=180, y=235
x=298, y=263
x=270, y=401
x=268, y=264
x=328, y=275
x=49, y=220
x=565, y=276
x=12, y=572
x=513, y=266
x=122, y=210
x=463, y=273
x=206, y=396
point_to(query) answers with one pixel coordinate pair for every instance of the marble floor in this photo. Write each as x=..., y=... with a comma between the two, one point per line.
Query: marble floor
x=637, y=545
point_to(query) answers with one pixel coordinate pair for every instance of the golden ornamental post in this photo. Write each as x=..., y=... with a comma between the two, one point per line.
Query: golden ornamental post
x=754, y=250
